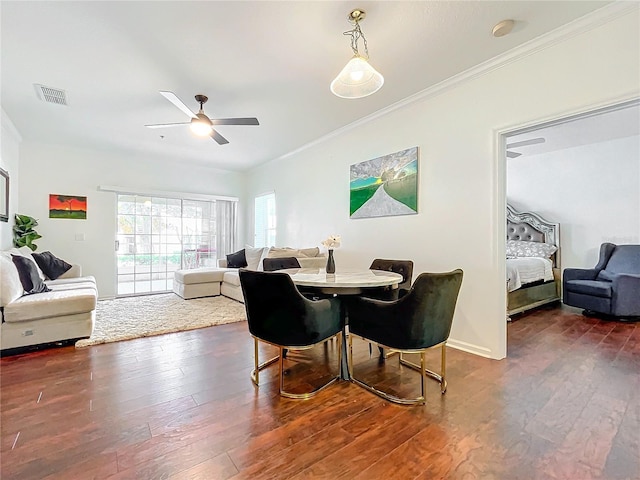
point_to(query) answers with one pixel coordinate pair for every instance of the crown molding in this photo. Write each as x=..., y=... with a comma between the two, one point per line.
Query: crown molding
x=581, y=25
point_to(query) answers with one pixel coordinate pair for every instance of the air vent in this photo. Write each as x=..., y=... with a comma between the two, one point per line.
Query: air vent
x=51, y=95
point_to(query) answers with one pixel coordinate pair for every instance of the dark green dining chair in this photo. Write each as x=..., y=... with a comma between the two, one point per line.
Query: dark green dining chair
x=414, y=323
x=278, y=314
x=402, y=267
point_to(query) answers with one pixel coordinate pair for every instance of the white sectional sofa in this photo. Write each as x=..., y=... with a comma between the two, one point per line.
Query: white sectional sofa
x=65, y=313
x=221, y=280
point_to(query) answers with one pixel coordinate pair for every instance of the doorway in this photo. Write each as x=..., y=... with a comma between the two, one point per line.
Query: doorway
x=582, y=172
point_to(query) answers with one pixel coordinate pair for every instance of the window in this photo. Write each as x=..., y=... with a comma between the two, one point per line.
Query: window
x=157, y=236
x=265, y=220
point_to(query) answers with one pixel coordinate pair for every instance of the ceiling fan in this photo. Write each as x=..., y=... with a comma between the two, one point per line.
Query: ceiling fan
x=524, y=143
x=201, y=124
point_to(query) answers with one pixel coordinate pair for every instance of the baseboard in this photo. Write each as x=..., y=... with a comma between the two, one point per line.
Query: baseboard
x=469, y=348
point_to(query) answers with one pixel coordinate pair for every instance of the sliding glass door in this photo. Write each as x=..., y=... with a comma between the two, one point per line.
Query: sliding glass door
x=157, y=236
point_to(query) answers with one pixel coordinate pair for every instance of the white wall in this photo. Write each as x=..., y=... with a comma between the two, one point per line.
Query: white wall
x=592, y=191
x=10, y=149
x=461, y=187
x=47, y=169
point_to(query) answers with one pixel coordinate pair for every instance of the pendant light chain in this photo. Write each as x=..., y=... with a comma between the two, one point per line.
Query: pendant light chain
x=356, y=34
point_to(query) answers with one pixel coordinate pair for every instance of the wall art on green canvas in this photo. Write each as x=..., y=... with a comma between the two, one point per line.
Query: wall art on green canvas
x=385, y=186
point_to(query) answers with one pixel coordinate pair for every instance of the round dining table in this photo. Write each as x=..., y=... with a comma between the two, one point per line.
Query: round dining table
x=343, y=282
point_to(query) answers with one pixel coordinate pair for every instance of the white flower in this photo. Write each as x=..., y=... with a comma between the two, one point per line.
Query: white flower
x=332, y=242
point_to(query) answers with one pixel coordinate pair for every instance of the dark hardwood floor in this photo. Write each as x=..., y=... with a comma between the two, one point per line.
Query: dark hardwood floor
x=565, y=404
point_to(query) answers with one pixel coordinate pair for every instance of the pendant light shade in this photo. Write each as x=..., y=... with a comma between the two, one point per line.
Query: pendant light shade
x=357, y=79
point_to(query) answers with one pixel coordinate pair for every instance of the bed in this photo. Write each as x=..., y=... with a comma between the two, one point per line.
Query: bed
x=533, y=261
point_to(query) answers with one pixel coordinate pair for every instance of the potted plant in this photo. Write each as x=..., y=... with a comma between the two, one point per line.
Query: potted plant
x=23, y=232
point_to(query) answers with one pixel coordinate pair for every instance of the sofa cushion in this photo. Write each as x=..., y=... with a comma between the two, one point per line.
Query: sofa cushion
x=624, y=259
x=51, y=265
x=232, y=277
x=589, y=287
x=237, y=259
x=10, y=285
x=51, y=304
x=57, y=287
x=199, y=275
x=72, y=280
x=605, y=276
x=29, y=277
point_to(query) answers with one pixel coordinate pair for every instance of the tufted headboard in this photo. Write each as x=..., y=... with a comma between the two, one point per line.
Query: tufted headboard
x=533, y=228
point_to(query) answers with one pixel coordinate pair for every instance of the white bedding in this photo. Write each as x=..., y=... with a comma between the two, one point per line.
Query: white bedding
x=523, y=270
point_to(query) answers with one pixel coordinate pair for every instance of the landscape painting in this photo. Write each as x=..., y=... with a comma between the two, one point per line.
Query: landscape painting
x=385, y=186
x=67, y=206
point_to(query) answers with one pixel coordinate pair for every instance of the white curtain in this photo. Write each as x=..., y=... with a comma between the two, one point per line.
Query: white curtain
x=227, y=227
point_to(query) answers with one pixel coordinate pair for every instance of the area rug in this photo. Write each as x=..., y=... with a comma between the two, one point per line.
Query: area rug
x=133, y=317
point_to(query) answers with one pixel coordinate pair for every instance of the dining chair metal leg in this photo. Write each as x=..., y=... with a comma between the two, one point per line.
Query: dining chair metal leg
x=388, y=396
x=440, y=378
x=255, y=373
x=304, y=396
x=350, y=356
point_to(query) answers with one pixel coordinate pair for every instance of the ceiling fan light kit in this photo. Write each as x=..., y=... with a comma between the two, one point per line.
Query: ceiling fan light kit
x=358, y=78
x=201, y=125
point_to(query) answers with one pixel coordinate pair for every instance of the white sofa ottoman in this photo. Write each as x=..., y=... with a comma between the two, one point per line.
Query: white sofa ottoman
x=198, y=282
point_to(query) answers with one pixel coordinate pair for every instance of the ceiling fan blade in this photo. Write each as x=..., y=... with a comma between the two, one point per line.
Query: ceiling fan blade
x=162, y=125
x=524, y=143
x=235, y=121
x=172, y=97
x=513, y=154
x=218, y=138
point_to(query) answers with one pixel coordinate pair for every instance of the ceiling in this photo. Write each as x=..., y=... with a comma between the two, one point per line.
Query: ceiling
x=271, y=60
x=596, y=127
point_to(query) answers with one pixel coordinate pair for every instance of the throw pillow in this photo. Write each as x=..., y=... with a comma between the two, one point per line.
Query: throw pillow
x=237, y=259
x=265, y=254
x=253, y=255
x=23, y=252
x=310, y=252
x=521, y=248
x=51, y=265
x=280, y=252
x=28, y=273
x=10, y=284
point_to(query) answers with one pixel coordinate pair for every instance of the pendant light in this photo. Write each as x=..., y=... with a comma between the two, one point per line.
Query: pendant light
x=358, y=78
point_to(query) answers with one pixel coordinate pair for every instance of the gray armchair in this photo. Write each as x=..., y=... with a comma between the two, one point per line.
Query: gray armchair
x=612, y=287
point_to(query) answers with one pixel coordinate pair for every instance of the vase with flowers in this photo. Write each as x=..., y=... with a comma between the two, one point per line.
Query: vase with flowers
x=331, y=243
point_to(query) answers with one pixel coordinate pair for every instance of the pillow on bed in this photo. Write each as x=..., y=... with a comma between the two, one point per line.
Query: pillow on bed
x=521, y=248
